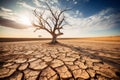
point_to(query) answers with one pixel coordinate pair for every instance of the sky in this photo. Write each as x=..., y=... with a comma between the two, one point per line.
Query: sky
x=87, y=18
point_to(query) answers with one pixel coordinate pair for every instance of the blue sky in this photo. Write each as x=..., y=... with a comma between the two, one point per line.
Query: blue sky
x=88, y=18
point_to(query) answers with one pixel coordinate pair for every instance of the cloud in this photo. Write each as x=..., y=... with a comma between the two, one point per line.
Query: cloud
x=40, y=3
x=77, y=13
x=104, y=20
x=53, y=1
x=5, y=9
x=13, y=20
x=17, y=17
x=37, y=3
x=7, y=13
x=75, y=2
x=26, y=5
x=12, y=24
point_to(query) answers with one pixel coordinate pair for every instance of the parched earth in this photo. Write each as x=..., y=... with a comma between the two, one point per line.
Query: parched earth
x=36, y=60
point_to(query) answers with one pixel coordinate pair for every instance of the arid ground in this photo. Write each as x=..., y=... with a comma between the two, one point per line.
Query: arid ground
x=72, y=59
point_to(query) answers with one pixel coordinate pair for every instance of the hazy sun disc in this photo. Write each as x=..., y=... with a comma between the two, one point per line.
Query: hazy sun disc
x=25, y=20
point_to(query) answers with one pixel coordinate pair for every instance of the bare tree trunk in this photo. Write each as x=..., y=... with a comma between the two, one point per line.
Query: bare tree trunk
x=54, y=39
x=52, y=23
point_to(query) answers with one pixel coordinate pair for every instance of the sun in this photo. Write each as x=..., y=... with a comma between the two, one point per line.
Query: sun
x=25, y=20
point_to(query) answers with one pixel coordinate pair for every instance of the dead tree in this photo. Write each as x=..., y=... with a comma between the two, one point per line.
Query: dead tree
x=52, y=23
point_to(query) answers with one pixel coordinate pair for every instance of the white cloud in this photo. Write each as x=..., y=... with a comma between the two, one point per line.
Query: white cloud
x=55, y=1
x=37, y=3
x=12, y=17
x=26, y=5
x=7, y=13
x=75, y=2
x=77, y=12
x=5, y=9
x=104, y=20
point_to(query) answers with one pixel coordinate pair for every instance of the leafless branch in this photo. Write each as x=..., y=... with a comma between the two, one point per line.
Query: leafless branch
x=52, y=23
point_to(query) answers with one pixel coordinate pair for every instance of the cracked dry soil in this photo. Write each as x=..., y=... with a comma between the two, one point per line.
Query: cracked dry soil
x=36, y=60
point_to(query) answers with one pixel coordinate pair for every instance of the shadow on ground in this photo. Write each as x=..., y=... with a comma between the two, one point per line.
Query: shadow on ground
x=40, y=61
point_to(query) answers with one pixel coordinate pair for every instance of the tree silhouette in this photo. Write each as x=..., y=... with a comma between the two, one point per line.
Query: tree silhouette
x=52, y=23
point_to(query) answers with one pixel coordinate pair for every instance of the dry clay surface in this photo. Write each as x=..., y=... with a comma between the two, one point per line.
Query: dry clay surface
x=69, y=60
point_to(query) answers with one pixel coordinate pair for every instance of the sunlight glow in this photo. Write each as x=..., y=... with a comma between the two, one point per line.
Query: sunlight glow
x=25, y=20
